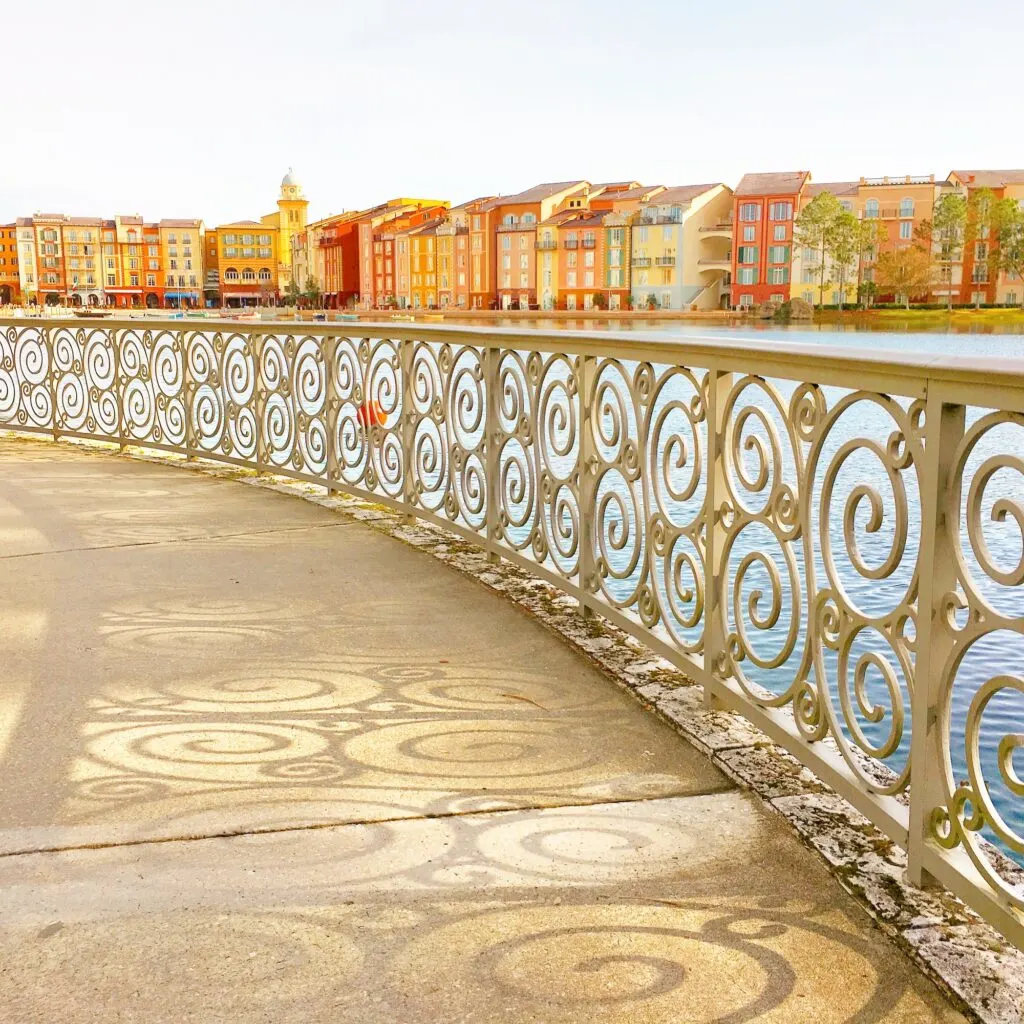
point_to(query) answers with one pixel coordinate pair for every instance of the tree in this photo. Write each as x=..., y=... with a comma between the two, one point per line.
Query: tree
x=944, y=235
x=871, y=233
x=979, y=233
x=842, y=247
x=905, y=272
x=1008, y=229
x=292, y=293
x=812, y=230
x=312, y=292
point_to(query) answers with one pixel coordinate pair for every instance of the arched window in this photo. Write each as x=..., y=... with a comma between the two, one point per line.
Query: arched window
x=529, y=218
x=906, y=207
x=264, y=274
x=231, y=274
x=871, y=208
x=248, y=275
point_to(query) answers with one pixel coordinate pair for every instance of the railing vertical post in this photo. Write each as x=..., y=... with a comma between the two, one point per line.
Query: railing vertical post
x=52, y=364
x=492, y=451
x=260, y=399
x=330, y=351
x=115, y=345
x=189, y=385
x=944, y=428
x=587, y=484
x=715, y=605
x=408, y=430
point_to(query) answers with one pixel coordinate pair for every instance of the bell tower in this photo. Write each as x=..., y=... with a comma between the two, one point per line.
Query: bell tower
x=292, y=206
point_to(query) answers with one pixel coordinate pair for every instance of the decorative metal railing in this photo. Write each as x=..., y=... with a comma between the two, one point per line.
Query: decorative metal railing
x=830, y=542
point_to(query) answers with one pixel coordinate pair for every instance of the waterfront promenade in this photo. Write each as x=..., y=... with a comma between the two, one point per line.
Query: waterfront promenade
x=262, y=763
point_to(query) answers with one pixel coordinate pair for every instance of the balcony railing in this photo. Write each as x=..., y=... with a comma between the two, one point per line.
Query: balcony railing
x=724, y=225
x=546, y=243
x=569, y=243
x=588, y=243
x=518, y=226
x=830, y=546
x=641, y=261
x=664, y=261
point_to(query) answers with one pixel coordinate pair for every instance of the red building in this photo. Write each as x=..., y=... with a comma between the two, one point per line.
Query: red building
x=980, y=282
x=762, y=250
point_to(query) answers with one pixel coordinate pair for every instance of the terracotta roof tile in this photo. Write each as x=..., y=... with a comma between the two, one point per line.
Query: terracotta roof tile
x=991, y=179
x=772, y=183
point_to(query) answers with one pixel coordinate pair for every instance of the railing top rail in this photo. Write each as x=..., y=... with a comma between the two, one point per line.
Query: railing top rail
x=823, y=362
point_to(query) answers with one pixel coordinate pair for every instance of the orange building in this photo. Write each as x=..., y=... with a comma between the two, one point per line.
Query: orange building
x=583, y=278
x=49, y=256
x=900, y=204
x=516, y=219
x=10, y=282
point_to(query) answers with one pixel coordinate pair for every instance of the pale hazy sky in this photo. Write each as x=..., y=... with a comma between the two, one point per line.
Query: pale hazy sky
x=198, y=107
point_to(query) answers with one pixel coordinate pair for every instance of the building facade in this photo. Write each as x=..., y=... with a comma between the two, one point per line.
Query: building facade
x=808, y=262
x=681, y=248
x=764, y=208
x=10, y=279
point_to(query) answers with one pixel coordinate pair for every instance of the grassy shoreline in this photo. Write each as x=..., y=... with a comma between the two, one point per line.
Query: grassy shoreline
x=933, y=318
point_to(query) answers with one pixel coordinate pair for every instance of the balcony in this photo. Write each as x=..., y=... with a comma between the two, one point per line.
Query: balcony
x=518, y=226
x=395, y=754
x=570, y=243
x=588, y=243
x=664, y=261
x=642, y=261
x=545, y=243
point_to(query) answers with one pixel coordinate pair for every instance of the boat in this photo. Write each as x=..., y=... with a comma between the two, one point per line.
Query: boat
x=403, y=316
x=347, y=316
x=92, y=313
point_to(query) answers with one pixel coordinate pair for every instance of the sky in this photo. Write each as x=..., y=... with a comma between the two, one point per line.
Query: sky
x=197, y=108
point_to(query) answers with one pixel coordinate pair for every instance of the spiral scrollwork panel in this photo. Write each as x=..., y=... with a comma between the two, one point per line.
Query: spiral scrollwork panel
x=981, y=616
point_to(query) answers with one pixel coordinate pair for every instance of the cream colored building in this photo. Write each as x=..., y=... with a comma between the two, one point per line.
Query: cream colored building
x=682, y=248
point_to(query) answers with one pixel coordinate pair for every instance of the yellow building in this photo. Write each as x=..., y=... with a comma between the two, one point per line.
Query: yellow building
x=181, y=251
x=807, y=263
x=248, y=255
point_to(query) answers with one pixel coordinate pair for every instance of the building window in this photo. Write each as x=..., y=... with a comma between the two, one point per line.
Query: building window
x=746, y=275
x=749, y=233
x=906, y=229
x=747, y=254
x=750, y=211
x=780, y=211
x=906, y=207
x=570, y=279
x=778, y=275
x=264, y=274
x=871, y=208
x=746, y=300
x=506, y=241
x=778, y=253
x=780, y=232
x=231, y=274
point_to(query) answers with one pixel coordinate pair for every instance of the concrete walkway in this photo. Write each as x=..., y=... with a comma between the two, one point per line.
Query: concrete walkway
x=260, y=763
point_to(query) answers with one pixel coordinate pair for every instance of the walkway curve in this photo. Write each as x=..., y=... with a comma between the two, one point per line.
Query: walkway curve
x=262, y=763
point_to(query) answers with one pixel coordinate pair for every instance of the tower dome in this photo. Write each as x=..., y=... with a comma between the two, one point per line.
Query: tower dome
x=289, y=179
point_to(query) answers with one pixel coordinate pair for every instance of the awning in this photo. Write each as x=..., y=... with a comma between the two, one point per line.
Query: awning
x=181, y=295
x=124, y=291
